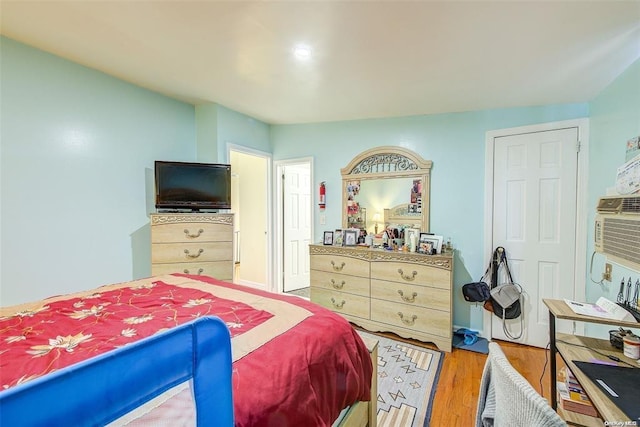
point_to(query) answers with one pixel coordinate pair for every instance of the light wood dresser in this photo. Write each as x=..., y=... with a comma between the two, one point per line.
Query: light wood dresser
x=192, y=243
x=405, y=293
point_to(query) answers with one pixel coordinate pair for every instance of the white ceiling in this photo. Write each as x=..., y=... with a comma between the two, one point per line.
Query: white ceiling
x=369, y=58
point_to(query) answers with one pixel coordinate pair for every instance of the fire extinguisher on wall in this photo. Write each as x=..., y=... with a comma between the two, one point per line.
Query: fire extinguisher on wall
x=321, y=201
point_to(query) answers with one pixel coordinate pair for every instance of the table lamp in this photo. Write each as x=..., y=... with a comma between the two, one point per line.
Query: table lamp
x=376, y=218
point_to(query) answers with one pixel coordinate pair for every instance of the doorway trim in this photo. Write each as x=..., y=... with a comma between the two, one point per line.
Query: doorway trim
x=582, y=211
x=278, y=241
x=269, y=159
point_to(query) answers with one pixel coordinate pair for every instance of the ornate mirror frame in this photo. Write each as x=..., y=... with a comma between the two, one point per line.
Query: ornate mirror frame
x=388, y=162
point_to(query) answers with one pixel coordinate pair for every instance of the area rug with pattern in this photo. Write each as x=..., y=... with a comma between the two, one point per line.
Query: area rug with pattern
x=407, y=380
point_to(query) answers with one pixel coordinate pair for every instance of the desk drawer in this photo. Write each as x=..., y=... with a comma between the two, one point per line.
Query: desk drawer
x=340, y=282
x=412, y=317
x=419, y=296
x=414, y=274
x=340, y=264
x=341, y=302
x=191, y=252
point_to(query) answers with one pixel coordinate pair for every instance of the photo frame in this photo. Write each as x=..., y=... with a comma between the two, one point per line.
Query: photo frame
x=429, y=244
x=425, y=247
x=350, y=238
x=438, y=245
x=328, y=238
x=337, y=237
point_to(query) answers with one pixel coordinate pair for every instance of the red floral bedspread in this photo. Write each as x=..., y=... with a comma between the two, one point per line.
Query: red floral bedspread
x=295, y=363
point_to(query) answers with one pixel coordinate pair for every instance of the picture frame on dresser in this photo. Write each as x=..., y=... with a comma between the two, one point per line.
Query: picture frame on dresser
x=429, y=244
x=425, y=247
x=337, y=237
x=350, y=237
x=328, y=238
x=438, y=244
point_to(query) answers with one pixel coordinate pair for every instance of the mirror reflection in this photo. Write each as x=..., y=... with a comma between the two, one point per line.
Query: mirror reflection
x=368, y=199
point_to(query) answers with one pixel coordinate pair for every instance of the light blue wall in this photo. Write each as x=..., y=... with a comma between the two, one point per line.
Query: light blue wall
x=614, y=119
x=77, y=159
x=217, y=126
x=456, y=145
x=240, y=129
x=207, y=133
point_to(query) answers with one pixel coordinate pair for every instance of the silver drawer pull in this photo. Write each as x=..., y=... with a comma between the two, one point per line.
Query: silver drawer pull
x=407, y=277
x=337, y=305
x=186, y=251
x=200, y=270
x=336, y=268
x=337, y=285
x=193, y=236
x=408, y=322
x=412, y=298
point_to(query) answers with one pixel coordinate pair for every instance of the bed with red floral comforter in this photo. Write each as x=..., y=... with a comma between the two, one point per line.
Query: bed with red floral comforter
x=294, y=363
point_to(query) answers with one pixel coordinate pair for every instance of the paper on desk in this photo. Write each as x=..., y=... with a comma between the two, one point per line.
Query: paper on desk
x=602, y=308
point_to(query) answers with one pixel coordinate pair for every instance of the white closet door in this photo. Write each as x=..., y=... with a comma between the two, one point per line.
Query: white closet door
x=534, y=219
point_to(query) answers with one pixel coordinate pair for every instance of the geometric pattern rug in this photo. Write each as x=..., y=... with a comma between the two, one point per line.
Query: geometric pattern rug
x=407, y=380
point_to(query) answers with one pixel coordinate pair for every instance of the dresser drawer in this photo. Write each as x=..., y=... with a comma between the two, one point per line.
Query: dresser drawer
x=341, y=302
x=414, y=274
x=406, y=316
x=340, y=264
x=191, y=232
x=420, y=296
x=340, y=282
x=191, y=252
x=221, y=270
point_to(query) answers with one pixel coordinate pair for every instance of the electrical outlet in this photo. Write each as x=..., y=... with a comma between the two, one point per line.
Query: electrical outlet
x=323, y=220
x=608, y=269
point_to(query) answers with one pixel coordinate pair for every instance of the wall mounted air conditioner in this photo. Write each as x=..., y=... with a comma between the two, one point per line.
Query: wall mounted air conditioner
x=617, y=230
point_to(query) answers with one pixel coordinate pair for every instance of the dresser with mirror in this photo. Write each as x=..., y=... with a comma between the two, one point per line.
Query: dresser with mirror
x=381, y=289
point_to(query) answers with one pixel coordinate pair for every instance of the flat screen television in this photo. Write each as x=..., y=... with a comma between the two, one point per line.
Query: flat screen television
x=194, y=186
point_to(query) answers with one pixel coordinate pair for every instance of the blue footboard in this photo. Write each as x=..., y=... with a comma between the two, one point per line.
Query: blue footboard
x=100, y=390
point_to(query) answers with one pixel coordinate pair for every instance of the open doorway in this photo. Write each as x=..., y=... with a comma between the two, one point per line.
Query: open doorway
x=294, y=225
x=250, y=202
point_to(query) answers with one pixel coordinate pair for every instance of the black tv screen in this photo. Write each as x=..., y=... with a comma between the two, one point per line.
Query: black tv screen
x=195, y=186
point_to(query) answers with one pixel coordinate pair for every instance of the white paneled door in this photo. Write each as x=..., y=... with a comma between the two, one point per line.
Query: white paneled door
x=534, y=219
x=297, y=226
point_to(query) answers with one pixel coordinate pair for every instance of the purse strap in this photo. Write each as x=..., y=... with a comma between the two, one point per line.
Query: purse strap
x=506, y=330
x=500, y=258
x=506, y=266
x=486, y=273
x=492, y=269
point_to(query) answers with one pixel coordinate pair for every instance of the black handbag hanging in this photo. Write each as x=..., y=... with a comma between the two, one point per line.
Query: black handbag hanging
x=476, y=291
x=479, y=291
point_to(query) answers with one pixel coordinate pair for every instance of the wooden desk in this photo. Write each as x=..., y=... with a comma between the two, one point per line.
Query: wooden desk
x=573, y=347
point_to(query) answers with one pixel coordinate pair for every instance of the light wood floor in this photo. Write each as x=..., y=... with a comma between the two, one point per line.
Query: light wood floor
x=457, y=393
